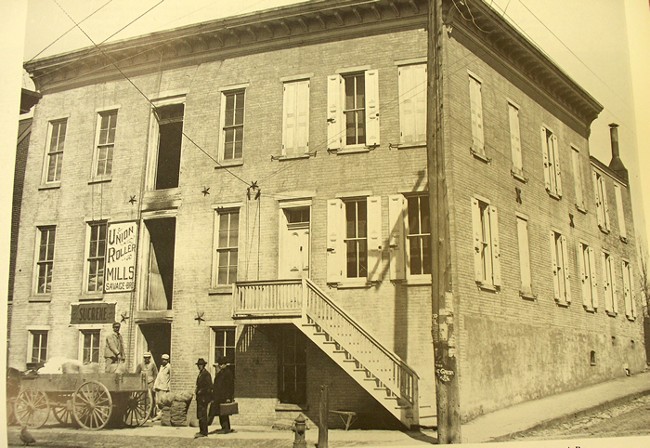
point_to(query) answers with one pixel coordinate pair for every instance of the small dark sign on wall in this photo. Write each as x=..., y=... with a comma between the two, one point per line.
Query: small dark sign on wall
x=92, y=313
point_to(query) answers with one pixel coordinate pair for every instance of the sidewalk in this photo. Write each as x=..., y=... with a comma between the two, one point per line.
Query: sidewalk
x=542, y=412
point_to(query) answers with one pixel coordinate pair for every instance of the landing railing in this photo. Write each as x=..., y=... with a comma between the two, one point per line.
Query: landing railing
x=268, y=298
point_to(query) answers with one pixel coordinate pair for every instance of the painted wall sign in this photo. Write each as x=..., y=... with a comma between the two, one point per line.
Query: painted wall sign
x=121, y=251
x=92, y=313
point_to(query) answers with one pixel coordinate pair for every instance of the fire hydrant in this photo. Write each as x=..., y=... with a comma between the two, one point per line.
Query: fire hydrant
x=299, y=429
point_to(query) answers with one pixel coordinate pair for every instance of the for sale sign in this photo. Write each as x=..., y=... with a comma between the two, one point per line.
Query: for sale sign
x=121, y=251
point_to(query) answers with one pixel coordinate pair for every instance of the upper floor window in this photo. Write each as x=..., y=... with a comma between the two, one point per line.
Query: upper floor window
x=45, y=259
x=226, y=247
x=525, y=288
x=476, y=111
x=95, y=258
x=578, y=178
x=89, y=348
x=353, y=110
x=295, y=118
x=38, y=346
x=54, y=156
x=588, y=276
x=551, y=155
x=103, y=160
x=609, y=284
x=232, y=125
x=412, y=104
x=418, y=234
x=628, y=288
x=515, y=140
x=485, y=225
x=560, y=267
x=620, y=212
x=170, y=138
x=602, y=207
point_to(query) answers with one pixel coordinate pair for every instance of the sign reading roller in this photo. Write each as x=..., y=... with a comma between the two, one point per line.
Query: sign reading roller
x=121, y=252
x=92, y=313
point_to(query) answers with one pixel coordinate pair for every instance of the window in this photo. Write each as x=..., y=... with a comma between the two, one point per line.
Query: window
x=90, y=346
x=54, y=159
x=412, y=80
x=588, y=282
x=620, y=213
x=354, y=239
x=525, y=288
x=609, y=283
x=295, y=118
x=353, y=110
x=487, y=266
x=560, y=266
x=224, y=343
x=628, y=287
x=107, y=121
x=418, y=234
x=38, y=345
x=602, y=209
x=96, y=254
x=232, y=125
x=170, y=138
x=476, y=111
x=227, y=247
x=551, y=154
x=515, y=140
x=45, y=259
x=293, y=367
x=578, y=179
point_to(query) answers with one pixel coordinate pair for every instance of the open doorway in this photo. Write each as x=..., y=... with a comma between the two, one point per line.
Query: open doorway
x=156, y=338
x=159, y=284
x=170, y=138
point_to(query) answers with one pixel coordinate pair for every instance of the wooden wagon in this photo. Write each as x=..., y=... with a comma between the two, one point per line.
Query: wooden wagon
x=87, y=399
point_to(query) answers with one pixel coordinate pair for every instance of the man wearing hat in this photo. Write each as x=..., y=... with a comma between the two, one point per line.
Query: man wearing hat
x=163, y=379
x=114, y=350
x=224, y=392
x=151, y=371
x=203, y=397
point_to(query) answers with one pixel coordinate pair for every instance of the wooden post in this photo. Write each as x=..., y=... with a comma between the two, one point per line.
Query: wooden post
x=323, y=413
x=446, y=372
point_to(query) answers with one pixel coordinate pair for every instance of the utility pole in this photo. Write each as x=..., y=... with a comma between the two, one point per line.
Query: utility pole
x=443, y=316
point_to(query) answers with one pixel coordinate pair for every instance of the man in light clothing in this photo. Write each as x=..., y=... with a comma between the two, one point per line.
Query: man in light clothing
x=114, y=350
x=151, y=371
x=163, y=378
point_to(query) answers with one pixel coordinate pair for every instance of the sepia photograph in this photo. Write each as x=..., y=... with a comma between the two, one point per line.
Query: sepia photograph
x=325, y=223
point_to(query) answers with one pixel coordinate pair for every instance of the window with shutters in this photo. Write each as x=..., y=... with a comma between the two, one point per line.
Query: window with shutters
x=602, y=207
x=620, y=214
x=226, y=243
x=37, y=351
x=476, y=112
x=628, y=290
x=578, y=179
x=487, y=266
x=551, y=156
x=295, y=118
x=515, y=142
x=412, y=84
x=231, y=144
x=95, y=257
x=54, y=152
x=45, y=259
x=526, y=287
x=89, y=346
x=560, y=268
x=354, y=240
x=588, y=276
x=353, y=111
x=104, y=145
x=609, y=284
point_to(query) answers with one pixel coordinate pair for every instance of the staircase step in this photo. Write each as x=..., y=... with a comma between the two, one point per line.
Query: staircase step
x=341, y=351
x=329, y=342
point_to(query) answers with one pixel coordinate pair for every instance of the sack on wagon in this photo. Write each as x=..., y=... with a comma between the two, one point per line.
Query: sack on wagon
x=91, y=367
x=55, y=365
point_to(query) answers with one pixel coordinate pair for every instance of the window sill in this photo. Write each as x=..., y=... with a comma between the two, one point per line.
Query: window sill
x=605, y=230
x=352, y=150
x=480, y=155
x=290, y=407
x=555, y=196
x=229, y=163
x=88, y=296
x=562, y=303
x=611, y=313
x=292, y=157
x=623, y=239
x=519, y=175
x=486, y=287
x=99, y=180
x=589, y=309
x=40, y=298
x=407, y=145
x=220, y=290
x=631, y=319
x=581, y=209
x=353, y=284
x=528, y=295
x=50, y=186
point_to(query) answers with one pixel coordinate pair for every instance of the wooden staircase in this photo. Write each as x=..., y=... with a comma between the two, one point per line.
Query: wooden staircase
x=379, y=371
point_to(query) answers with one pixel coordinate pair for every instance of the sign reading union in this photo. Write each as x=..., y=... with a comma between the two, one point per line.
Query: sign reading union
x=121, y=250
x=92, y=313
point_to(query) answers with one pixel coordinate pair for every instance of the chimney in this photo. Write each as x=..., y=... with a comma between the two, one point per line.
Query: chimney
x=616, y=164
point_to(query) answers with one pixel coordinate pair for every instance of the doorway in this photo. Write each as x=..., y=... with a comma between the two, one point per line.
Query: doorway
x=294, y=242
x=156, y=338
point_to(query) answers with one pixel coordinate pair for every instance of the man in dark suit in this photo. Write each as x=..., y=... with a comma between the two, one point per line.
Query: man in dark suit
x=224, y=392
x=203, y=397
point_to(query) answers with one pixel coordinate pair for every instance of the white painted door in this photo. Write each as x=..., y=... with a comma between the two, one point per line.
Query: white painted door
x=294, y=244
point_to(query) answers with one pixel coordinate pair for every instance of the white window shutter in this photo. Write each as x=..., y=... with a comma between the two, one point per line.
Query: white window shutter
x=334, y=112
x=496, y=248
x=375, y=265
x=558, y=172
x=372, y=107
x=397, y=238
x=524, y=255
x=626, y=289
x=599, y=207
x=420, y=88
x=619, y=211
x=335, y=244
x=606, y=285
x=289, y=118
x=567, y=271
x=594, y=281
x=515, y=138
x=302, y=117
x=477, y=229
x=556, y=284
x=406, y=104
x=614, y=285
x=547, y=166
x=605, y=204
x=584, y=279
x=632, y=288
x=476, y=110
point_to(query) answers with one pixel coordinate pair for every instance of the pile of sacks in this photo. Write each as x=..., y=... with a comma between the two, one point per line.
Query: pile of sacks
x=174, y=407
x=67, y=365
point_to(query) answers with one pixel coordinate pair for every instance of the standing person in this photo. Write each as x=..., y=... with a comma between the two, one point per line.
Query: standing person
x=223, y=392
x=114, y=350
x=151, y=371
x=203, y=397
x=163, y=379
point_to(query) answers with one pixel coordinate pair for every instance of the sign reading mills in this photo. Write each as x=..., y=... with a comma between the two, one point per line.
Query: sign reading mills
x=121, y=250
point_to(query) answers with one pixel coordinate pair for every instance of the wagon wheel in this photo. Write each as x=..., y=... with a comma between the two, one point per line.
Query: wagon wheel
x=31, y=408
x=92, y=405
x=63, y=413
x=138, y=408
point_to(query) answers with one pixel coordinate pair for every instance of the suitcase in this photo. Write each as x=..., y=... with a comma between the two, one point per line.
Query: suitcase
x=229, y=408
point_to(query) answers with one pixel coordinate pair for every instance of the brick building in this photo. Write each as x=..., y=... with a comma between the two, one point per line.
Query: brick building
x=262, y=194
